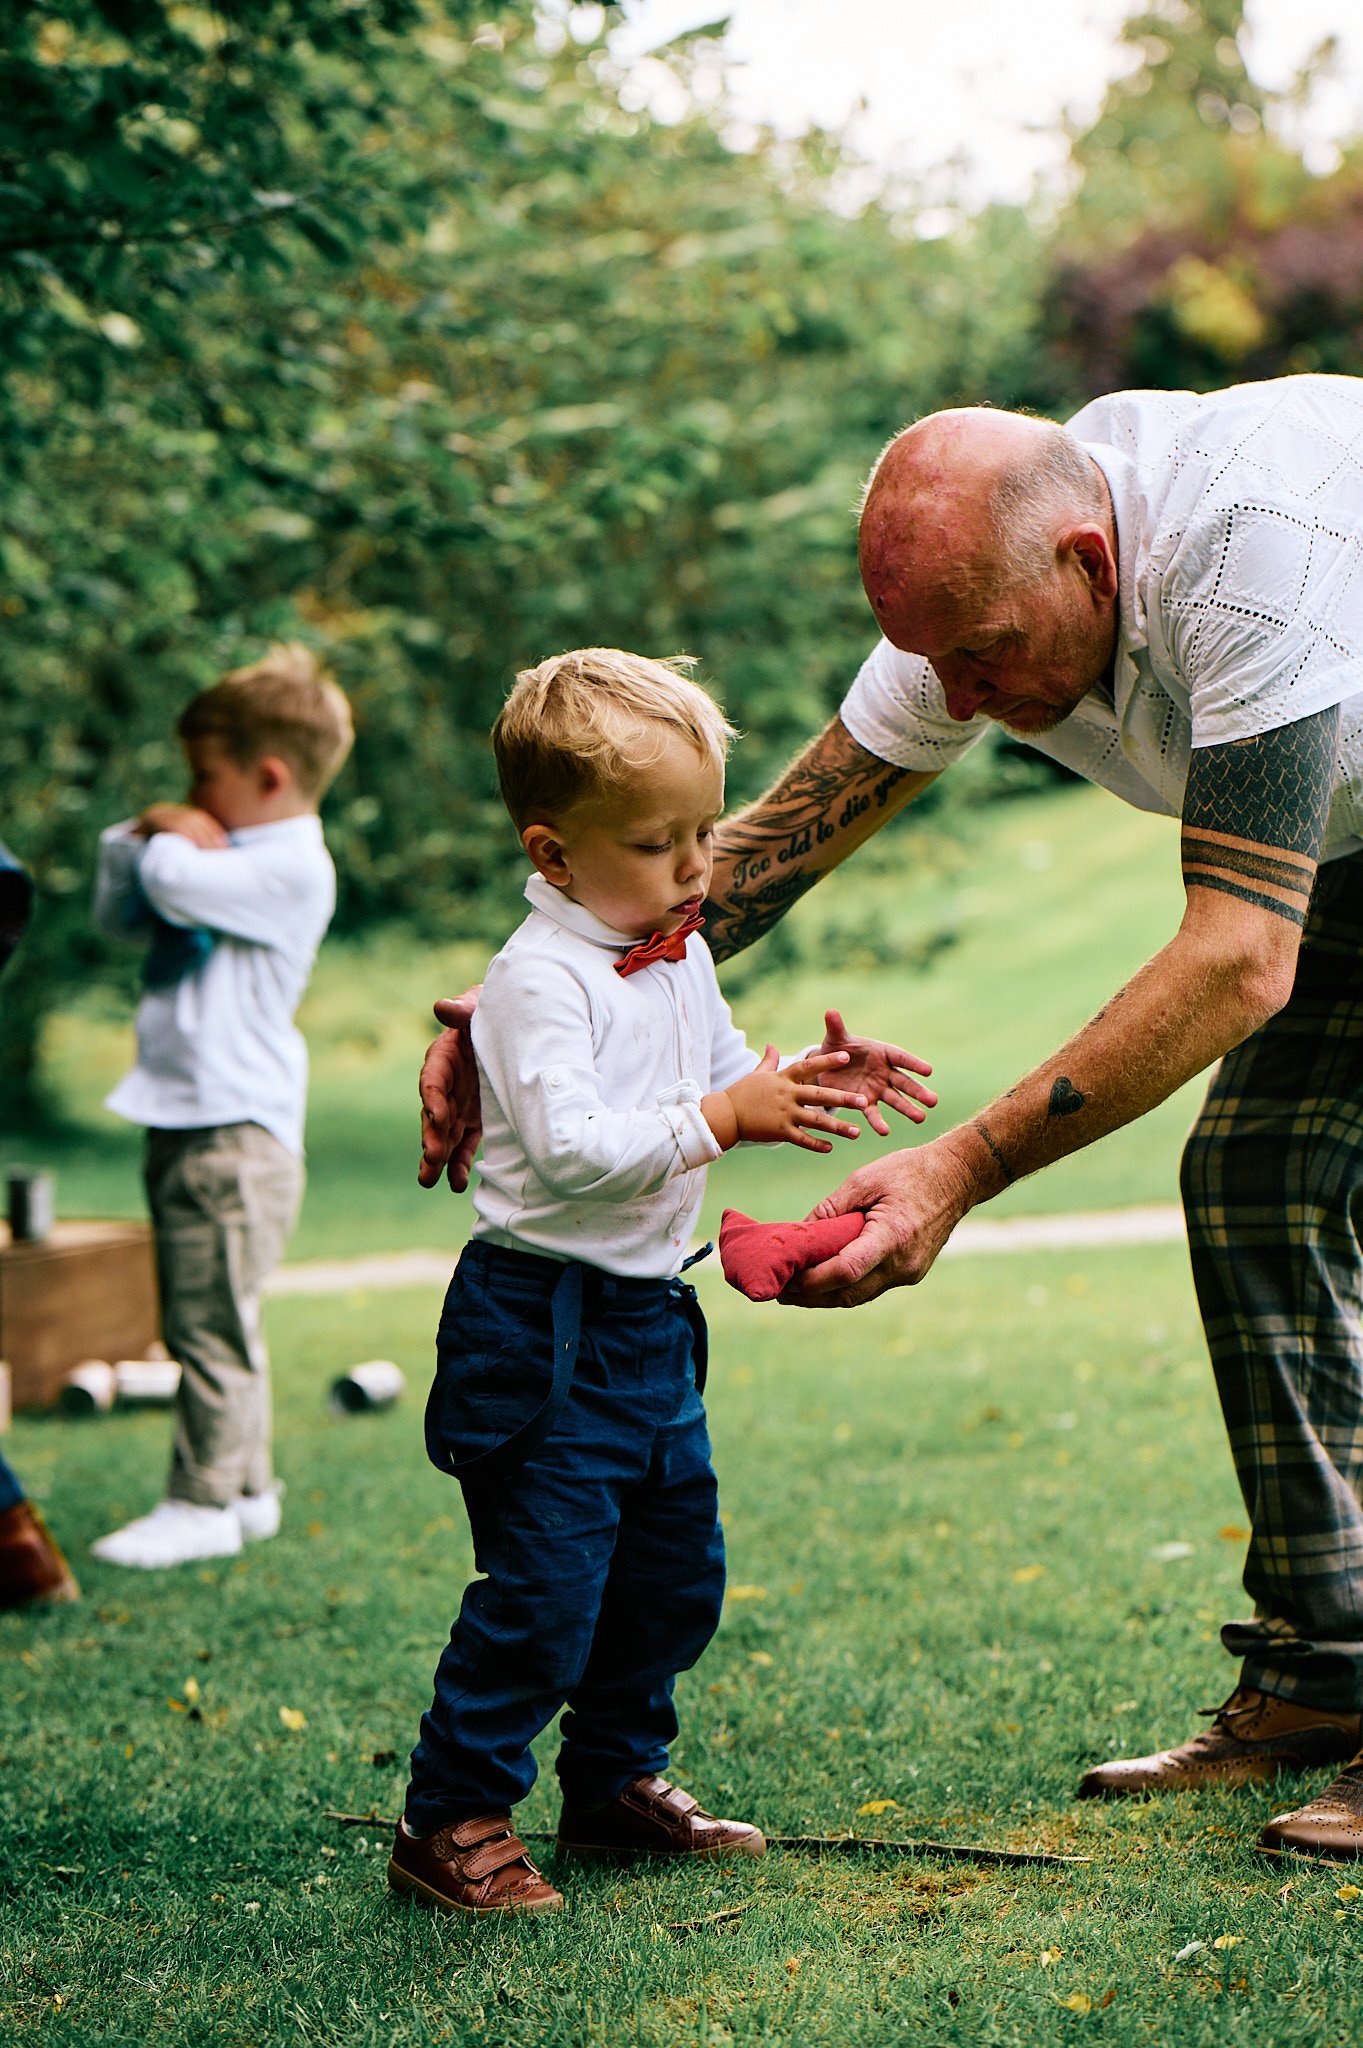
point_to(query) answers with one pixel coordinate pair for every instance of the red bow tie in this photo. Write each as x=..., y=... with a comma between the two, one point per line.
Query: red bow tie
x=660, y=946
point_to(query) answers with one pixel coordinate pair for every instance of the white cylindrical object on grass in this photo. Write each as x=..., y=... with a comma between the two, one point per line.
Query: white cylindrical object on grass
x=89, y=1388
x=147, y=1379
x=375, y=1384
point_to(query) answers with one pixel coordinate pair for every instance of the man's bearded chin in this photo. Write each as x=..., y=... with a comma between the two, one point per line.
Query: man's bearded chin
x=1040, y=718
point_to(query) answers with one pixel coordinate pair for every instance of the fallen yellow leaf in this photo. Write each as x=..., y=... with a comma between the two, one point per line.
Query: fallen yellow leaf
x=1228, y=1940
x=292, y=1718
x=1233, y=1533
x=1078, y=2001
x=1026, y=1573
x=1049, y=1956
x=746, y=1593
x=878, y=1806
x=191, y=1690
x=1347, y=1893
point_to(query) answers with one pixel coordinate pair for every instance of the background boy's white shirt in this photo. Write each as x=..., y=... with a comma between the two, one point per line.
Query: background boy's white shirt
x=594, y=1146
x=220, y=1046
x=1240, y=544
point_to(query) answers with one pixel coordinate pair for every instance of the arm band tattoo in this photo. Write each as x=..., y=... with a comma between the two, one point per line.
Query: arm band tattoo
x=1002, y=1164
x=1273, y=790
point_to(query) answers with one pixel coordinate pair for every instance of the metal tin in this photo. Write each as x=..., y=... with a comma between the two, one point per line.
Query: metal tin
x=375, y=1384
x=32, y=1205
x=89, y=1388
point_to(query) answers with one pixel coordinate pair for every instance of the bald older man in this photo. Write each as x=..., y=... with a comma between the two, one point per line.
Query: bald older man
x=1166, y=596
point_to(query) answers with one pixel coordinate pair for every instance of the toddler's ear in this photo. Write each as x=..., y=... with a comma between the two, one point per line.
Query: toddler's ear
x=273, y=775
x=546, y=851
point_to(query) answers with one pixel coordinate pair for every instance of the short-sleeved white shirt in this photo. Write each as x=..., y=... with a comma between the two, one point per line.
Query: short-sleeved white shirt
x=1240, y=609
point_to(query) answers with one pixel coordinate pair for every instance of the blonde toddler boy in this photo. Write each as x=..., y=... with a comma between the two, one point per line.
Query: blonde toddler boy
x=571, y=1357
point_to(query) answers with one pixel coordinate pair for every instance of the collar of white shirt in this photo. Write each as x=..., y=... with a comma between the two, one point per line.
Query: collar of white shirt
x=303, y=825
x=574, y=917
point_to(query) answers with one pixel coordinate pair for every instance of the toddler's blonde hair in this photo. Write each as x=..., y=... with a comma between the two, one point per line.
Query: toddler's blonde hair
x=285, y=704
x=579, y=725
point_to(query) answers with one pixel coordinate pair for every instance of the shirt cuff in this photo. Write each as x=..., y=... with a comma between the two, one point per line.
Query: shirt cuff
x=697, y=1143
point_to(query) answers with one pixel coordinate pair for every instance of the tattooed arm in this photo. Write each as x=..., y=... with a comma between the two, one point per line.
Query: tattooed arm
x=1253, y=824
x=825, y=805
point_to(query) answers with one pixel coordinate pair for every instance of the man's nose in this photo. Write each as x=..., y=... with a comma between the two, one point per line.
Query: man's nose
x=963, y=698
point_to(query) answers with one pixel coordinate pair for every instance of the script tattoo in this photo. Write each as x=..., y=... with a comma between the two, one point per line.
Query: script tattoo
x=1274, y=792
x=768, y=856
x=1065, y=1097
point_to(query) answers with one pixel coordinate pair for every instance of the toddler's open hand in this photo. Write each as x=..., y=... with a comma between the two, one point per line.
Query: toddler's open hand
x=787, y=1105
x=880, y=1072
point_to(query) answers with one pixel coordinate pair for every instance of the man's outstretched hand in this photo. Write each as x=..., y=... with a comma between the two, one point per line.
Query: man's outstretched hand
x=451, y=1113
x=884, y=1073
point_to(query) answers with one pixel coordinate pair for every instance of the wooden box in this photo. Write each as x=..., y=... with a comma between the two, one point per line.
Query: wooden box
x=86, y=1291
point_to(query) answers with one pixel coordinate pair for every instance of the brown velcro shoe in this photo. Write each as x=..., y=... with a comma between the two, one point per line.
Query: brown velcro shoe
x=476, y=1866
x=652, y=1818
x=32, y=1568
x=1253, y=1736
x=1331, y=1824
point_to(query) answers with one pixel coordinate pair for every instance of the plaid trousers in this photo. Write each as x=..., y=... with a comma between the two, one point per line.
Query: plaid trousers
x=1272, y=1184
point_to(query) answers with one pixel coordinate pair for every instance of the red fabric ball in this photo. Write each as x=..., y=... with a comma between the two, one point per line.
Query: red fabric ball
x=759, y=1258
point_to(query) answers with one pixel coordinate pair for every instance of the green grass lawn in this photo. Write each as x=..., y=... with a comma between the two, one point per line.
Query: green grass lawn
x=981, y=953
x=952, y=1586
x=949, y=1520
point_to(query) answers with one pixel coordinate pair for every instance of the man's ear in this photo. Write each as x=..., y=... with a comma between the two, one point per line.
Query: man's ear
x=1091, y=550
x=546, y=851
x=274, y=775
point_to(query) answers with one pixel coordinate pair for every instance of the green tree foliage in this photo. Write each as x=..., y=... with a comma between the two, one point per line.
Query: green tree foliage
x=566, y=373
x=1199, y=249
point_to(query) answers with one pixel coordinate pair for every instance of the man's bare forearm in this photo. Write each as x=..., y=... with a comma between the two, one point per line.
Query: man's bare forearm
x=1179, y=1013
x=825, y=805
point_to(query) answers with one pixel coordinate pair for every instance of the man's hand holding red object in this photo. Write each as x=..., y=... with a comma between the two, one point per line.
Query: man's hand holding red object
x=760, y=1258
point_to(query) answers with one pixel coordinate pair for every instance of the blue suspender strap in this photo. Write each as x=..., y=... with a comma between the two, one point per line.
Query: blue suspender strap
x=522, y=1444
x=684, y=1294
x=566, y=1314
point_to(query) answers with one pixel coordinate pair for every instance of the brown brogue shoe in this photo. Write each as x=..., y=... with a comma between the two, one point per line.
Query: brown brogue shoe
x=476, y=1866
x=32, y=1568
x=652, y=1818
x=1253, y=1736
x=1331, y=1824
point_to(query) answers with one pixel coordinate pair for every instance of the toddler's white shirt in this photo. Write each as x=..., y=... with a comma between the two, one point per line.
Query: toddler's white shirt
x=220, y=1046
x=594, y=1146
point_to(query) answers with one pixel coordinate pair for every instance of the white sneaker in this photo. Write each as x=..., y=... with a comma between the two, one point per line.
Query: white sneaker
x=175, y=1532
x=259, y=1513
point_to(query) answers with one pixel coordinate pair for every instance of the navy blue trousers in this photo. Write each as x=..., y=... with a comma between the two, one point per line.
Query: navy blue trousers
x=601, y=1554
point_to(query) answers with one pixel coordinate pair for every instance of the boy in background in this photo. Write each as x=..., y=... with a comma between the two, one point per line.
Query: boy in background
x=233, y=891
x=570, y=1357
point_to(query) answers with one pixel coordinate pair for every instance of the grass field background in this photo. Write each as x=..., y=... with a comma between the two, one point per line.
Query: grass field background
x=980, y=1535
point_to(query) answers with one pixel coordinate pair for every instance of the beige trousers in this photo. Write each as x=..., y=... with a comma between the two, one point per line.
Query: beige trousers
x=223, y=1202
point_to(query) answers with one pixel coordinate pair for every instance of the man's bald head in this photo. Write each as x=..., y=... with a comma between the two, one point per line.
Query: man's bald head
x=969, y=502
x=989, y=546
